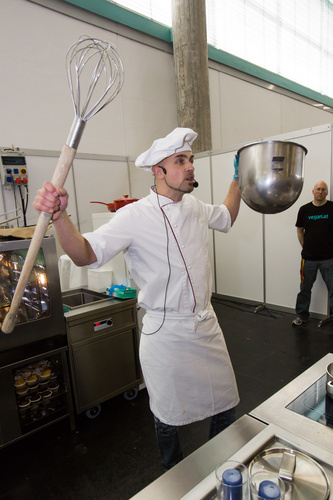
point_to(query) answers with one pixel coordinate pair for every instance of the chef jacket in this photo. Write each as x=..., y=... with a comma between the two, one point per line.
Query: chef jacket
x=184, y=359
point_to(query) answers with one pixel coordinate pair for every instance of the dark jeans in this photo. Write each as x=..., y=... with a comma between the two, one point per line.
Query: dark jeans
x=308, y=277
x=168, y=439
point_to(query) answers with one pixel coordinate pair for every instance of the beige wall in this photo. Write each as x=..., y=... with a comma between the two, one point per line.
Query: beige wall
x=35, y=103
x=243, y=112
x=36, y=109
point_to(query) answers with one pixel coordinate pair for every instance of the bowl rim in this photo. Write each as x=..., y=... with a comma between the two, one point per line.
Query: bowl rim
x=271, y=142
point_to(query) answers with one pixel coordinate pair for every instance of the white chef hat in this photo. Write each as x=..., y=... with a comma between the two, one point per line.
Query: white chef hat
x=180, y=139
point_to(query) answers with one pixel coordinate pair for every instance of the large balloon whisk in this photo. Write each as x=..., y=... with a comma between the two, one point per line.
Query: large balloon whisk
x=93, y=67
x=107, y=64
x=96, y=66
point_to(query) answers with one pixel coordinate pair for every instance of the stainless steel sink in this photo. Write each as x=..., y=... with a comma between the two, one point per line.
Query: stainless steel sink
x=72, y=299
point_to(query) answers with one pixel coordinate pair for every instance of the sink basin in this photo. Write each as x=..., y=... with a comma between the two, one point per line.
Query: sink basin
x=81, y=297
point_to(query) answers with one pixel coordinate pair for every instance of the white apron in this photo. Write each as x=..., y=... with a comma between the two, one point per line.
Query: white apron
x=186, y=367
x=185, y=364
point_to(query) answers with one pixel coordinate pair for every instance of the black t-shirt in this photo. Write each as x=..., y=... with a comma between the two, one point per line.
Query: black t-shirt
x=318, y=234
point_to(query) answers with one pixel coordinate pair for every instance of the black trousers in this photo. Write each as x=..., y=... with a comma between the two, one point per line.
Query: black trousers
x=168, y=439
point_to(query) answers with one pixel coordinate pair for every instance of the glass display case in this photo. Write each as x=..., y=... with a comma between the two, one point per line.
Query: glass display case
x=35, y=386
x=36, y=300
x=40, y=314
x=41, y=392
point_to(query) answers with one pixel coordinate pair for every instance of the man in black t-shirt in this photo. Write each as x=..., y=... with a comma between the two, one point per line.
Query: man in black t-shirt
x=315, y=234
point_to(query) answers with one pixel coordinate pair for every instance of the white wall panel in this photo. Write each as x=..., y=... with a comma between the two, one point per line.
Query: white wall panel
x=248, y=112
x=40, y=169
x=283, y=251
x=140, y=181
x=297, y=116
x=98, y=180
x=243, y=112
x=148, y=96
x=35, y=96
x=239, y=253
x=203, y=177
x=203, y=192
x=38, y=106
x=215, y=109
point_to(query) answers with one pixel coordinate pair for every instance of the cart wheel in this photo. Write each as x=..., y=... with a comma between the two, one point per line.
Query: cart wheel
x=94, y=412
x=132, y=394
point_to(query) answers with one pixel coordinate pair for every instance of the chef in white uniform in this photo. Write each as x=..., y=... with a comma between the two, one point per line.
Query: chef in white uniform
x=164, y=237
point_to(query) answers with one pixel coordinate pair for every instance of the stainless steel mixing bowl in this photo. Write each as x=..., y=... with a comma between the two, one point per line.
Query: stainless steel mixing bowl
x=329, y=380
x=271, y=175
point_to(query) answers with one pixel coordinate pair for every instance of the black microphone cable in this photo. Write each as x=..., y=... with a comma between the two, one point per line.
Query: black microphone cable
x=169, y=268
x=24, y=204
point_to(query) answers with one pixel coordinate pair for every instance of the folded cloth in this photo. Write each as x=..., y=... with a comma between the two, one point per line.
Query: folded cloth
x=18, y=232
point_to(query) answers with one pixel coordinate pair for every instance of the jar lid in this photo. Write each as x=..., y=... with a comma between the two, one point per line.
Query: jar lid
x=308, y=481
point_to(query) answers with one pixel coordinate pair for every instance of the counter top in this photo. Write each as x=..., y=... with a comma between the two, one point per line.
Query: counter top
x=274, y=410
x=273, y=436
x=100, y=307
x=175, y=483
x=269, y=423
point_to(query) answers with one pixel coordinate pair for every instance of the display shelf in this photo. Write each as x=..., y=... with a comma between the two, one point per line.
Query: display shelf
x=36, y=393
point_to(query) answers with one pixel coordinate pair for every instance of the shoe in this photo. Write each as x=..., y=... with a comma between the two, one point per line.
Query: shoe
x=298, y=321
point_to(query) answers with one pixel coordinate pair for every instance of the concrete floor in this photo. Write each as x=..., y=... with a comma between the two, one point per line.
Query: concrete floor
x=115, y=455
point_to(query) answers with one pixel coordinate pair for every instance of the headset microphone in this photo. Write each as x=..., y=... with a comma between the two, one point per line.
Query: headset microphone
x=195, y=183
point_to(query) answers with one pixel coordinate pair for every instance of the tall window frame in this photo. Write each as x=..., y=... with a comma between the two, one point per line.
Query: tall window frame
x=122, y=15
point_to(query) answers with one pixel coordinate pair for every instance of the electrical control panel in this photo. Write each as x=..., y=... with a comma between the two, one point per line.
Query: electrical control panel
x=13, y=168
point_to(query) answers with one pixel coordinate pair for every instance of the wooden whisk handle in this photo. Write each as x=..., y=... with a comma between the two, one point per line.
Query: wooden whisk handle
x=58, y=180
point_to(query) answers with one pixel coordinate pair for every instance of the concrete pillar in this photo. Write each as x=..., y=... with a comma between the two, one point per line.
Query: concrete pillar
x=191, y=68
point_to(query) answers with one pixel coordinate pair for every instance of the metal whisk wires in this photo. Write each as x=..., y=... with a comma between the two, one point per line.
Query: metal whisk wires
x=93, y=66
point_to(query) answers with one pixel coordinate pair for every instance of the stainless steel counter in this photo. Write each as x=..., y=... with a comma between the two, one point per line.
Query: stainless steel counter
x=182, y=478
x=274, y=410
x=273, y=436
x=103, y=351
x=270, y=424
